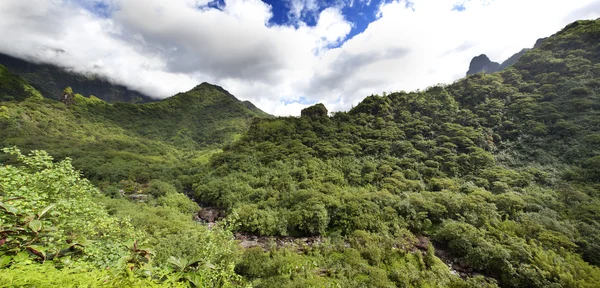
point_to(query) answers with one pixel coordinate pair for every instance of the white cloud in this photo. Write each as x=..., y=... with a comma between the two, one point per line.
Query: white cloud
x=300, y=8
x=161, y=48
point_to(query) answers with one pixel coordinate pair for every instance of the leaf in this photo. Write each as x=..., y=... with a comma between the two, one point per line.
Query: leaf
x=176, y=262
x=35, y=225
x=21, y=258
x=43, y=212
x=193, y=263
x=8, y=208
x=146, y=273
x=12, y=210
x=195, y=279
x=5, y=260
x=129, y=243
x=209, y=265
x=37, y=251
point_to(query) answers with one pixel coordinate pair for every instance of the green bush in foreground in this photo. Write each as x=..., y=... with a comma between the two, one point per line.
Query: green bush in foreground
x=57, y=230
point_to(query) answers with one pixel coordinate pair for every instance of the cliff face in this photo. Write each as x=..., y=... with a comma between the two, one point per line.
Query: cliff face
x=317, y=110
x=482, y=63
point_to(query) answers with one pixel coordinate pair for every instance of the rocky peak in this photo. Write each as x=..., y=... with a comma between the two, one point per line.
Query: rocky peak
x=482, y=63
x=317, y=110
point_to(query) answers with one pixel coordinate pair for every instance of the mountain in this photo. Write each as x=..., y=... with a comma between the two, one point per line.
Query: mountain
x=50, y=80
x=113, y=142
x=483, y=64
x=498, y=171
x=491, y=181
x=13, y=87
x=512, y=59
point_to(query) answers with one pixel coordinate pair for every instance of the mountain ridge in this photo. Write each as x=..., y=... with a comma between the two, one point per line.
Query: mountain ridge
x=197, y=122
x=489, y=168
x=491, y=181
x=50, y=80
x=483, y=64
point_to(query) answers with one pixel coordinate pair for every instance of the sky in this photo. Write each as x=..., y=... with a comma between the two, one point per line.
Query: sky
x=281, y=55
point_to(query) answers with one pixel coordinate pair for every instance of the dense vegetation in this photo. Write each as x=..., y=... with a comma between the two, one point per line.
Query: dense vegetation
x=58, y=230
x=499, y=170
x=13, y=87
x=496, y=175
x=112, y=142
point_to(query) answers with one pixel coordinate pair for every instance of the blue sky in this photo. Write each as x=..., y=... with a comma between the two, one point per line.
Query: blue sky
x=280, y=55
x=358, y=12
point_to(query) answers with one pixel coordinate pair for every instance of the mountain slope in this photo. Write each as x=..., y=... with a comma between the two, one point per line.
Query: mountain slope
x=113, y=142
x=494, y=176
x=13, y=87
x=499, y=171
x=50, y=80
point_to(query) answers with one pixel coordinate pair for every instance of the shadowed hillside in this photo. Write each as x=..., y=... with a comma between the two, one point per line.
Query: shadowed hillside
x=491, y=181
x=50, y=80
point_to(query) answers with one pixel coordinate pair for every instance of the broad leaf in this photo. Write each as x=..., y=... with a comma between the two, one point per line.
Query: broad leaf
x=176, y=262
x=5, y=260
x=195, y=279
x=21, y=257
x=37, y=250
x=43, y=212
x=35, y=225
x=8, y=208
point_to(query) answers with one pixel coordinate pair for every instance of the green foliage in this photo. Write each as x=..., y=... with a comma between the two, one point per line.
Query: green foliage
x=47, y=275
x=12, y=87
x=50, y=211
x=317, y=110
x=25, y=235
x=495, y=175
x=158, y=188
x=50, y=216
x=496, y=168
x=164, y=140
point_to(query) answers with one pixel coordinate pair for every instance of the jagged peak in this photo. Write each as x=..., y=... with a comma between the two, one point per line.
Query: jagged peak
x=317, y=110
x=482, y=63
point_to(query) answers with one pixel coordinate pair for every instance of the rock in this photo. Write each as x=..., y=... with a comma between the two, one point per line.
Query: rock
x=482, y=63
x=209, y=215
x=315, y=111
x=422, y=243
x=68, y=97
x=138, y=197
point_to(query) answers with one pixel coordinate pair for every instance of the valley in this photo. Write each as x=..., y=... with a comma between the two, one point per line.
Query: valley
x=490, y=181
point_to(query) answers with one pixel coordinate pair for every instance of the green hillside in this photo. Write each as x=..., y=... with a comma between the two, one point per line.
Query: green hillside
x=499, y=171
x=12, y=87
x=58, y=230
x=120, y=141
x=490, y=181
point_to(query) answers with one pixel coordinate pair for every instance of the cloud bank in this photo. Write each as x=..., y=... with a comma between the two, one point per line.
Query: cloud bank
x=164, y=47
